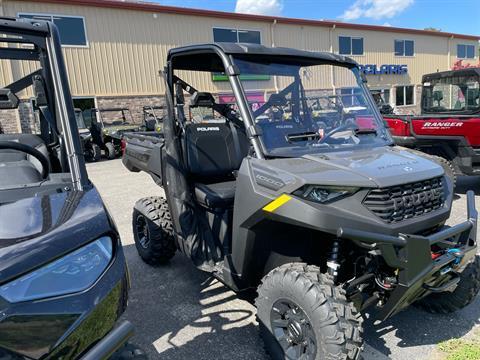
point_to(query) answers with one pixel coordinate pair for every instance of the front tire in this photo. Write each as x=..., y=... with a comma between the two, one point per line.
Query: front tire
x=447, y=166
x=303, y=315
x=463, y=295
x=96, y=153
x=153, y=230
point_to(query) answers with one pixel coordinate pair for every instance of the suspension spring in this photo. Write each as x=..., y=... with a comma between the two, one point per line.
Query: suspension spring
x=332, y=264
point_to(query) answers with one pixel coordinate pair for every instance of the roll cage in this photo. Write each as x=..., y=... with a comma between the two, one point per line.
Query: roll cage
x=100, y=119
x=219, y=57
x=39, y=41
x=432, y=97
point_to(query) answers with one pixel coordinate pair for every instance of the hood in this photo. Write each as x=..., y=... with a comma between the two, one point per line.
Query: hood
x=36, y=230
x=378, y=167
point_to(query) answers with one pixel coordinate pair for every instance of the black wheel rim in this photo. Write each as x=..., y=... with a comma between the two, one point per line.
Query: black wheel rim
x=142, y=232
x=293, y=331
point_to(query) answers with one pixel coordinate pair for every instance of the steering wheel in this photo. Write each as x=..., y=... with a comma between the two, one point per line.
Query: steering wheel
x=346, y=126
x=12, y=145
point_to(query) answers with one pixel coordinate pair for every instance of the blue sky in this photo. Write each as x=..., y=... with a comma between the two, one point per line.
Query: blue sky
x=457, y=16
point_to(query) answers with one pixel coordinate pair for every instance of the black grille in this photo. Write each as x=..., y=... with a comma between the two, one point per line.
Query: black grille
x=397, y=203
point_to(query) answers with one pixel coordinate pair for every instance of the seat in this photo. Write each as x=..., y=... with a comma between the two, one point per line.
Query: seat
x=34, y=141
x=216, y=195
x=18, y=173
x=213, y=152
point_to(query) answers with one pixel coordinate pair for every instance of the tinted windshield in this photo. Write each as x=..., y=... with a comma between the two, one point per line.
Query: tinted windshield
x=451, y=94
x=308, y=109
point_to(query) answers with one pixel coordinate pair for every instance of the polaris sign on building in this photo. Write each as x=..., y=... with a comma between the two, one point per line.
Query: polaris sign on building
x=384, y=69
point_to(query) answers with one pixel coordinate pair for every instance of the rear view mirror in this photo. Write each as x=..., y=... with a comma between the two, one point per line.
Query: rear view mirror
x=8, y=100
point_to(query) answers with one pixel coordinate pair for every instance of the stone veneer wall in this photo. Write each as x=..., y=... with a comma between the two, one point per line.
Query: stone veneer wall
x=9, y=119
x=134, y=103
x=19, y=120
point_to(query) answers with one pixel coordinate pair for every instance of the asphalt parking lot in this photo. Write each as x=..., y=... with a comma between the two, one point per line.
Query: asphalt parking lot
x=182, y=313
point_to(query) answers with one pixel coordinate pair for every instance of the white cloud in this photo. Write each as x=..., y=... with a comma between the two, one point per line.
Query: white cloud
x=376, y=9
x=259, y=7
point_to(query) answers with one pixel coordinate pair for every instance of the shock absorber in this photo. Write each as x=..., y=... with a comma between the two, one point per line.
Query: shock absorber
x=332, y=264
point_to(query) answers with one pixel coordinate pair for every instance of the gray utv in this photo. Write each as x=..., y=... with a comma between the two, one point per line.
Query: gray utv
x=316, y=210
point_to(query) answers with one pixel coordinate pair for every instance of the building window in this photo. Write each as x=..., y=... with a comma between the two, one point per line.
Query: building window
x=405, y=95
x=404, y=48
x=465, y=51
x=236, y=36
x=351, y=97
x=381, y=95
x=71, y=28
x=350, y=46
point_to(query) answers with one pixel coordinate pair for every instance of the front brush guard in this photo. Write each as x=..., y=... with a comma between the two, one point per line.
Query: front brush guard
x=411, y=256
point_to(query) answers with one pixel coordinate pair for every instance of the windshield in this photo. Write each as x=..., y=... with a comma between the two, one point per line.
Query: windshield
x=451, y=94
x=116, y=117
x=315, y=108
x=79, y=118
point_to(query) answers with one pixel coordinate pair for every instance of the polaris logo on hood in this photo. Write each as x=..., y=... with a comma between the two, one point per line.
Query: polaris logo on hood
x=215, y=128
x=405, y=165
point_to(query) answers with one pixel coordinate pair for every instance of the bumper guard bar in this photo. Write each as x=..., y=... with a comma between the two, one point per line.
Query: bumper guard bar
x=411, y=255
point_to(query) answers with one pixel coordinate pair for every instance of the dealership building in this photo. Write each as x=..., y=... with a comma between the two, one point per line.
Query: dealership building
x=115, y=49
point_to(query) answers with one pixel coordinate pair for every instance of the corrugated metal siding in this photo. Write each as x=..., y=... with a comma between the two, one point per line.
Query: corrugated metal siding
x=127, y=49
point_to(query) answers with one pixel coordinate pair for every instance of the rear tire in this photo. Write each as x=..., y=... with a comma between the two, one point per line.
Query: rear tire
x=303, y=315
x=153, y=230
x=465, y=292
x=110, y=151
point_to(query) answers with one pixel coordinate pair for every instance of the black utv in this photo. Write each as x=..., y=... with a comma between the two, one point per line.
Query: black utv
x=321, y=214
x=108, y=126
x=91, y=150
x=63, y=276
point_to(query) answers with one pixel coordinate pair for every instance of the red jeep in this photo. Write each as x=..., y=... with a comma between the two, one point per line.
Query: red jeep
x=449, y=126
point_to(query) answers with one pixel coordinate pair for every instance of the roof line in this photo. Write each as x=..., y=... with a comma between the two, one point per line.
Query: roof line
x=146, y=6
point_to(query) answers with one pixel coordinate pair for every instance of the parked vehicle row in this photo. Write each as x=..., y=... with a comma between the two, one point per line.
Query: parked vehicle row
x=303, y=200
x=107, y=126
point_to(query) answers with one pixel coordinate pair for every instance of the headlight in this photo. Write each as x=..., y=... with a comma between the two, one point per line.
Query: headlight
x=72, y=273
x=324, y=194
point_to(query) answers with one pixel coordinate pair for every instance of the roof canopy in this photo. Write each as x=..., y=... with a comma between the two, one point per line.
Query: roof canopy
x=213, y=57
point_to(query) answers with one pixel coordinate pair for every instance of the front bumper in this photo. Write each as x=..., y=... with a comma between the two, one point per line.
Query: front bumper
x=406, y=141
x=411, y=256
x=110, y=343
